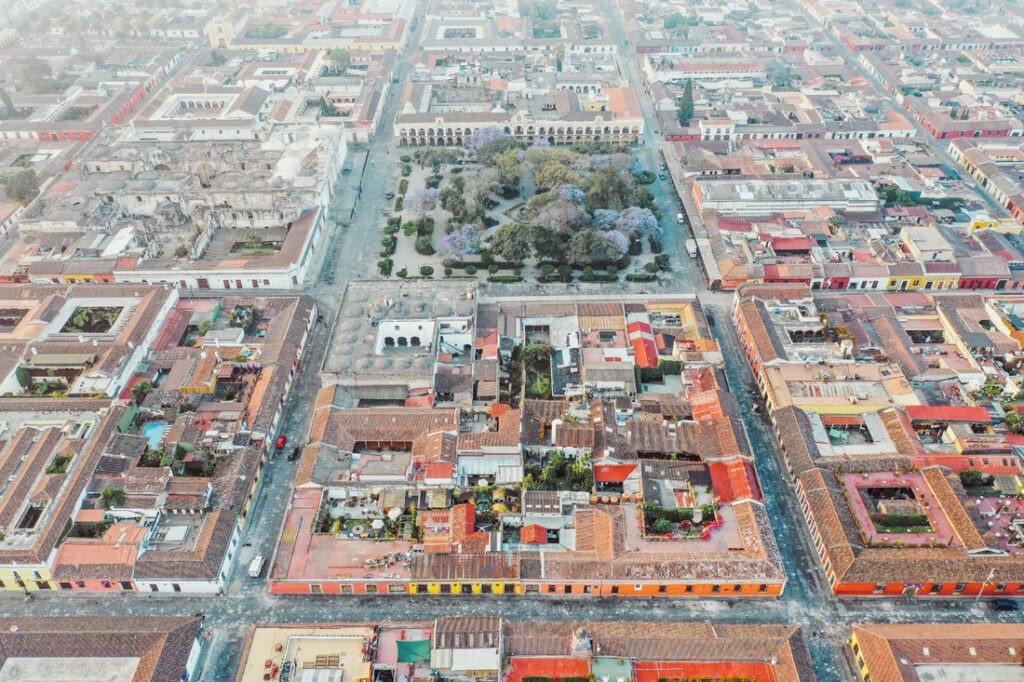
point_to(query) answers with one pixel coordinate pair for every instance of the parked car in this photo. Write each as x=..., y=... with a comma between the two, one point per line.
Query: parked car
x=1004, y=605
x=281, y=442
x=294, y=455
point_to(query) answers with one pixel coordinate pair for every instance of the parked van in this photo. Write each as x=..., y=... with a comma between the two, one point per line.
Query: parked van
x=691, y=248
x=256, y=567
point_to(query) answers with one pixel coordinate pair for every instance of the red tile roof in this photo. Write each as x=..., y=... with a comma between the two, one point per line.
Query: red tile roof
x=734, y=480
x=533, y=534
x=645, y=352
x=440, y=470
x=463, y=522
x=792, y=243
x=554, y=667
x=419, y=401
x=612, y=473
x=948, y=413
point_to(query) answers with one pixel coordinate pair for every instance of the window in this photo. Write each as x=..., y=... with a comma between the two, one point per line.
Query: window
x=762, y=588
x=446, y=588
x=175, y=587
x=397, y=589
x=346, y=589
x=466, y=588
x=316, y=589
x=615, y=589
x=510, y=588
x=637, y=588
x=935, y=588
x=959, y=588
x=66, y=586
x=689, y=589
x=80, y=583
x=662, y=589
x=153, y=587
x=42, y=584
x=716, y=588
x=126, y=585
x=371, y=589
x=551, y=588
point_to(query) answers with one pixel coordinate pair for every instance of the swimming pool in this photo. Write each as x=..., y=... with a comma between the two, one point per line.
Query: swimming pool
x=154, y=431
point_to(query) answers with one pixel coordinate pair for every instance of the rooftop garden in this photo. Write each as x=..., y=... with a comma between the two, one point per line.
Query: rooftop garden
x=681, y=522
x=901, y=523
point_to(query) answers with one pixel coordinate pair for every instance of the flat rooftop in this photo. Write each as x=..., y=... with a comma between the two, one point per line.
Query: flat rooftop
x=329, y=649
x=353, y=358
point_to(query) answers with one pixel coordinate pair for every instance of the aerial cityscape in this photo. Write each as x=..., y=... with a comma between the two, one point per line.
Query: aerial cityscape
x=511, y=341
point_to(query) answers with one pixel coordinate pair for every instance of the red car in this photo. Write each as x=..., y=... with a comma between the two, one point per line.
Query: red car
x=281, y=442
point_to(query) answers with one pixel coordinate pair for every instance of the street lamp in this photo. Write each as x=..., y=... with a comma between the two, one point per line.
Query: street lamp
x=984, y=582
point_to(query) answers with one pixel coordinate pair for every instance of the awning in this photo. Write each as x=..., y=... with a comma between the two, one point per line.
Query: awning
x=413, y=650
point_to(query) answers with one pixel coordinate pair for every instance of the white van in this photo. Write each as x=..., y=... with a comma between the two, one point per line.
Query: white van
x=256, y=567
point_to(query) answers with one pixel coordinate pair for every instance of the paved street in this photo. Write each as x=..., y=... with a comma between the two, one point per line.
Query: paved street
x=351, y=252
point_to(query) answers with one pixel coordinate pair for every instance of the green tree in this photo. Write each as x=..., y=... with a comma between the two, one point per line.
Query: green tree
x=609, y=188
x=512, y=242
x=685, y=106
x=141, y=390
x=552, y=174
x=588, y=247
x=507, y=165
x=547, y=243
x=112, y=497
x=34, y=68
x=24, y=186
x=24, y=377
x=972, y=478
x=339, y=58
